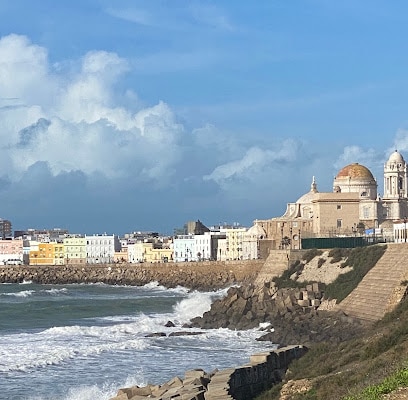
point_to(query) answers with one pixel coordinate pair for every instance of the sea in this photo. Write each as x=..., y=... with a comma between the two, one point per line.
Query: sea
x=85, y=341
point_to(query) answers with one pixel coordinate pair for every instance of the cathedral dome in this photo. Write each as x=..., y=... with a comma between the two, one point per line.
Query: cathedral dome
x=256, y=231
x=356, y=178
x=355, y=171
x=396, y=157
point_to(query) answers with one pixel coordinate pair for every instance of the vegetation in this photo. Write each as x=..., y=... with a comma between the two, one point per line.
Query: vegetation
x=364, y=368
x=361, y=259
x=311, y=254
x=339, y=254
x=286, y=281
x=375, y=392
x=360, y=369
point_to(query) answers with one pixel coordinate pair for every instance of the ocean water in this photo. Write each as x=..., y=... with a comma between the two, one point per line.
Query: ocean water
x=83, y=342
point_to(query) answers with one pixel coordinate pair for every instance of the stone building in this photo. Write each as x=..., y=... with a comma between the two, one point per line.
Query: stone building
x=353, y=206
x=5, y=229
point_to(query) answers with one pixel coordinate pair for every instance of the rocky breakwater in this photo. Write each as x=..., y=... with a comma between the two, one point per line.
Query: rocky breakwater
x=205, y=276
x=287, y=316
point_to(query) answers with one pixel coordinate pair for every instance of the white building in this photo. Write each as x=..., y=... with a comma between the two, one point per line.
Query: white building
x=202, y=245
x=185, y=248
x=100, y=249
x=250, y=242
x=401, y=232
x=135, y=252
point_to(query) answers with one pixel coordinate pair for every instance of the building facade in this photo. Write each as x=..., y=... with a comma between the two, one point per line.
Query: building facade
x=11, y=251
x=101, y=249
x=74, y=250
x=353, y=206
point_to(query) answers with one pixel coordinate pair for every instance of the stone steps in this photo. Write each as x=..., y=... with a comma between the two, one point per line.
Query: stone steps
x=370, y=300
x=276, y=263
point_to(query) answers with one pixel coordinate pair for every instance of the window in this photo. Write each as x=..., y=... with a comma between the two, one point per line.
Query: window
x=339, y=206
x=339, y=223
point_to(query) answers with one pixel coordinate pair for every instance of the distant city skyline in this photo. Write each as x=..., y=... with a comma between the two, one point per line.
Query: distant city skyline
x=127, y=115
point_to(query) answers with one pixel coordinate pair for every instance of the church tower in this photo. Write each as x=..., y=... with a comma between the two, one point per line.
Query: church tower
x=396, y=186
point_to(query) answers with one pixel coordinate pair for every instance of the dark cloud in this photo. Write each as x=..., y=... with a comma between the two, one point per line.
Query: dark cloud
x=30, y=133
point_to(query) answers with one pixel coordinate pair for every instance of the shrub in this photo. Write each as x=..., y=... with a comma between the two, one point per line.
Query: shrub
x=320, y=262
x=338, y=254
x=311, y=254
x=284, y=281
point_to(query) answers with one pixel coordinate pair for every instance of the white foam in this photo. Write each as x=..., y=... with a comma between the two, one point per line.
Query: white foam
x=105, y=391
x=55, y=291
x=23, y=293
x=155, y=286
x=195, y=305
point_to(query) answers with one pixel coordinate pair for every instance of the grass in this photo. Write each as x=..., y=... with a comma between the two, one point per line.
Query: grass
x=361, y=259
x=375, y=392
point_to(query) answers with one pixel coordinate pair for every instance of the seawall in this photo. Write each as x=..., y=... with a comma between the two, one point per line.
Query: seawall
x=207, y=275
x=241, y=383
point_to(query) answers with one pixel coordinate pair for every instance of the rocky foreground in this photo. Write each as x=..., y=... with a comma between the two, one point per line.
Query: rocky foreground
x=292, y=315
x=287, y=316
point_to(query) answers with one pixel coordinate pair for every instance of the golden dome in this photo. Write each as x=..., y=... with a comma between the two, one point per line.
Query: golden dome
x=355, y=171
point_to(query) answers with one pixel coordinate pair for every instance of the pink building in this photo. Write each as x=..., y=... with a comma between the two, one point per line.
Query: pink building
x=11, y=251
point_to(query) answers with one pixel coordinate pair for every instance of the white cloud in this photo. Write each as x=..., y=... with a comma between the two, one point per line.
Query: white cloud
x=352, y=154
x=254, y=161
x=72, y=122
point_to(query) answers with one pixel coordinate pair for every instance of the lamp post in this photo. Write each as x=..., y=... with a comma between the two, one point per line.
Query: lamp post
x=405, y=229
x=281, y=246
x=354, y=230
x=290, y=237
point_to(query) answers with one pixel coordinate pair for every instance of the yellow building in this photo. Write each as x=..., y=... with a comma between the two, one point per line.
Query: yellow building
x=74, y=250
x=234, y=242
x=47, y=254
x=156, y=255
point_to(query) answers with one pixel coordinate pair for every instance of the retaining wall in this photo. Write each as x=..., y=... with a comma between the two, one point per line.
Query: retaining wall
x=248, y=381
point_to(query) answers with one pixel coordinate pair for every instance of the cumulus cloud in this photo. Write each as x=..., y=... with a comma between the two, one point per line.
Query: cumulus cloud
x=253, y=162
x=352, y=154
x=71, y=121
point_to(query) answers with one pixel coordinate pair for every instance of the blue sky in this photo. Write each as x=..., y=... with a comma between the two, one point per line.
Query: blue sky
x=141, y=115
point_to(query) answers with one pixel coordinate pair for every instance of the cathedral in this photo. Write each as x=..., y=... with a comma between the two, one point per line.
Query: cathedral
x=354, y=207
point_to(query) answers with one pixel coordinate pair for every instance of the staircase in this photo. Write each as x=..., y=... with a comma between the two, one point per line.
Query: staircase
x=381, y=289
x=275, y=264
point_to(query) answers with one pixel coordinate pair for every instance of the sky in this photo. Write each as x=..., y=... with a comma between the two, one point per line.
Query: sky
x=126, y=115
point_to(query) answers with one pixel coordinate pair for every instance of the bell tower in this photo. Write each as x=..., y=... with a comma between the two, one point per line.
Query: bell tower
x=395, y=177
x=395, y=199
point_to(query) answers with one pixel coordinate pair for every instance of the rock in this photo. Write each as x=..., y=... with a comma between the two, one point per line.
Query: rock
x=155, y=334
x=185, y=333
x=169, y=324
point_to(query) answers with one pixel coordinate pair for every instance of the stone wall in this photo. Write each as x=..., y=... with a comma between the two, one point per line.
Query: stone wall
x=241, y=383
x=248, y=381
x=195, y=275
